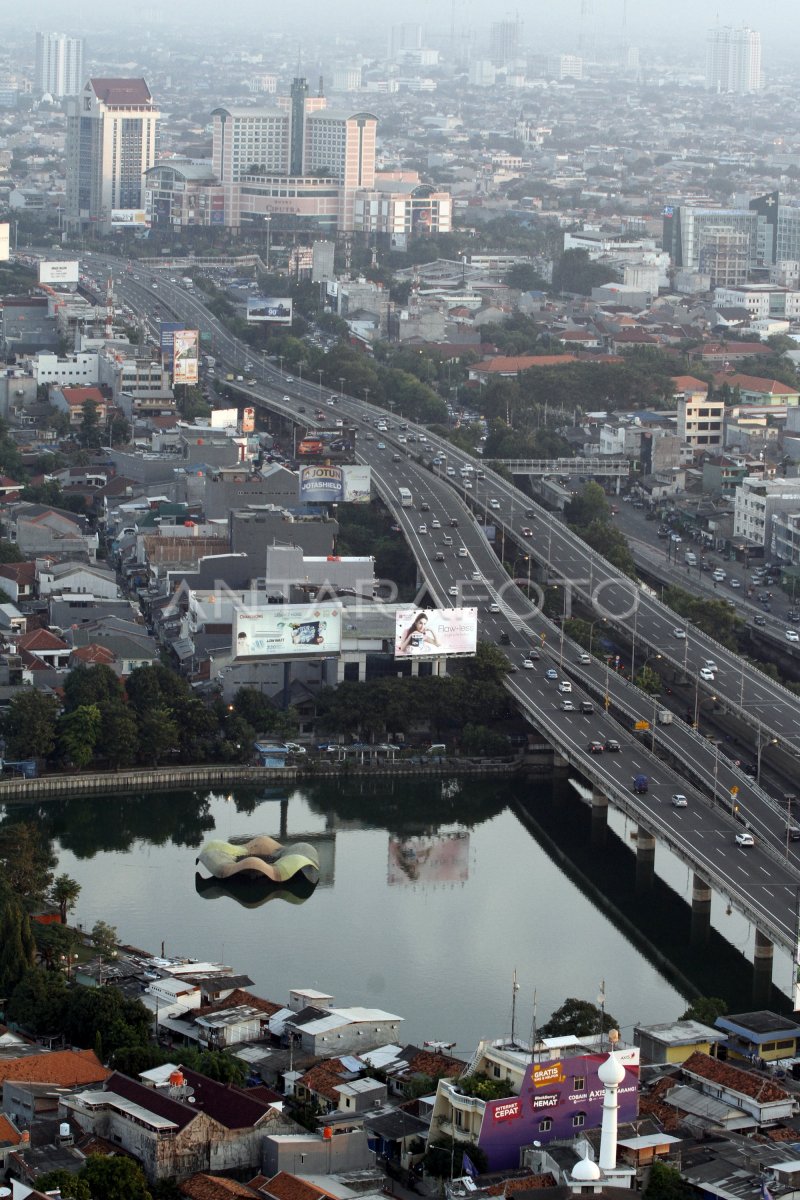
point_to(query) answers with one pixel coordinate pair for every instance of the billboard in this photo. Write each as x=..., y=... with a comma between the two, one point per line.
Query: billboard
x=185, y=356
x=129, y=218
x=552, y=1095
x=430, y=858
x=326, y=445
x=333, y=485
x=248, y=420
x=429, y=632
x=287, y=631
x=59, y=272
x=167, y=336
x=225, y=418
x=274, y=309
x=4, y=241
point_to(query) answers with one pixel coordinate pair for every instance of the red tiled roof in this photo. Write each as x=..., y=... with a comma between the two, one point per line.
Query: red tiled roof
x=93, y=654
x=232, y=1107
x=214, y=1187
x=40, y=639
x=323, y=1078
x=79, y=395
x=745, y=1082
x=507, y=1187
x=121, y=91
x=435, y=1065
x=510, y=364
x=754, y=383
x=9, y=1136
x=240, y=996
x=284, y=1186
x=688, y=383
x=22, y=573
x=62, y=1067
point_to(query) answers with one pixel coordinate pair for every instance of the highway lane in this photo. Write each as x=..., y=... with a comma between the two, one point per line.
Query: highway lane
x=703, y=834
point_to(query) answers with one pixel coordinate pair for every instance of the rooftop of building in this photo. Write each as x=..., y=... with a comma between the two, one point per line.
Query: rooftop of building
x=121, y=91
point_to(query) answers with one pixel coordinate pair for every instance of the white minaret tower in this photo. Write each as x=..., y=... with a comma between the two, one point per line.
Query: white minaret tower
x=611, y=1075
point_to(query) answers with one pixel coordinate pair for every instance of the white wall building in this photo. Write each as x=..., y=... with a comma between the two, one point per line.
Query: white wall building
x=59, y=65
x=757, y=502
x=762, y=300
x=733, y=60
x=80, y=369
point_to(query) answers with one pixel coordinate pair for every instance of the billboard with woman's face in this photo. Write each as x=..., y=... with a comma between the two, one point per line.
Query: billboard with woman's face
x=431, y=632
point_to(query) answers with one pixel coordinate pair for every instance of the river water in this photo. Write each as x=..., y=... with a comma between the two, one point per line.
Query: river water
x=433, y=892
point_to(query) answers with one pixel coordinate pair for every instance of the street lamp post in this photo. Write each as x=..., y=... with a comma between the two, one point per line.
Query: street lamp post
x=759, y=747
x=698, y=703
x=341, y=386
x=319, y=373
x=280, y=364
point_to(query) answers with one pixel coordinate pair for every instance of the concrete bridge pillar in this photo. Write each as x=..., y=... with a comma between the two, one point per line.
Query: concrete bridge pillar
x=284, y=829
x=645, y=860
x=599, y=817
x=701, y=911
x=762, y=968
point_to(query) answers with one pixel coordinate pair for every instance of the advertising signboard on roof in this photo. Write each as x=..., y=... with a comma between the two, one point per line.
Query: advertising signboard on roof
x=287, y=631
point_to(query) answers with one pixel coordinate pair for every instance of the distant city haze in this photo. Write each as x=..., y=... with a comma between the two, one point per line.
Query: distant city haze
x=597, y=22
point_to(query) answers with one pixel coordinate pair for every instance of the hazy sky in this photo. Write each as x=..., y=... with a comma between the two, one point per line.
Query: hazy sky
x=648, y=21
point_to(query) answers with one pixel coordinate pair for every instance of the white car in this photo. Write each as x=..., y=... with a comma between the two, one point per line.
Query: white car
x=792, y=635
x=565, y=686
x=452, y=591
x=709, y=662
x=468, y=484
x=436, y=523
x=678, y=633
x=476, y=575
x=423, y=528
x=494, y=608
x=584, y=658
x=718, y=576
x=381, y=445
x=527, y=664
x=707, y=674
x=679, y=800
x=450, y=470
x=676, y=538
x=735, y=583
x=462, y=552
x=567, y=706
x=745, y=839
x=494, y=503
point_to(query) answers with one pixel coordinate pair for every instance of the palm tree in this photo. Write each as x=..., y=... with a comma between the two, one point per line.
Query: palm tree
x=65, y=893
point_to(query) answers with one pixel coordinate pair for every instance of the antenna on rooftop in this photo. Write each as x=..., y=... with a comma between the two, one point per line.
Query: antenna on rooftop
x=514, y=990
x=534, y=1030
x=601, y=1000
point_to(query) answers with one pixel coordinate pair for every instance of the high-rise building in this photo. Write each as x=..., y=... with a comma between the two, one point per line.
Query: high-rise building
x=733, y=60
x=59, y=65
x=505, y=42
x=404, y=37
x=112, y=128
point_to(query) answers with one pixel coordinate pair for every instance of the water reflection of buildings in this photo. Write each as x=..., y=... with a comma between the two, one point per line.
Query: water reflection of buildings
x=429, y=859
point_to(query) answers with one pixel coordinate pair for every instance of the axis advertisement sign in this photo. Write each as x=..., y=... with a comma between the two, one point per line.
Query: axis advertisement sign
x=327, y=445
x=287, y=631
x=435, y=632
x=59, y=272
x=276, y=310
x=248, y=420
x=186, y=356
x=335, y=485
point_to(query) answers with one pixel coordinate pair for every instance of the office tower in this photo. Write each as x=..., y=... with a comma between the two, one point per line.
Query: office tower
x=59, y=65
x=505, y=42
x=342, y=144
x=733, y=60
x=248, y=141
x=111, y=141
x=403, y=38
x=299, y=95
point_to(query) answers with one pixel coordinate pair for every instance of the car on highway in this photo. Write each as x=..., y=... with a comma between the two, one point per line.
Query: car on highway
x=679, y=800
x=792, y=635
x=793, y=833
x=709, y=662
x=640, y=784
x=452, y=591
x=468, y=484
x=423, y=528
x=596, y=747
x=454, y=522
x=494, y=608
x=567, y=706
x=535, y=653
x=528, y=664
x=587, y=707
x=505, y=640
x=612, y=745
x=676, y=538
x=719, y=575
x=494, y=503
x=476, y=576
x=744, y=839
x=793, y=615
x=678, y=632
x=462, y=551
x=735, y=583
x=381, y=445
x=424, y=506
x=526, y=531
x=584, y=658
x=707, y=674
x=551, y=673
x=438, y=556
x=436, y=523
x=565, y=686
x=759, y=620
x=290, y=378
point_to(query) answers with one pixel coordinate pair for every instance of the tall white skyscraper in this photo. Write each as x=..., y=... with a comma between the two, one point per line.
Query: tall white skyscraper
x=111, y=141
x=59, y=65
x=733, y=60
x=505, y=41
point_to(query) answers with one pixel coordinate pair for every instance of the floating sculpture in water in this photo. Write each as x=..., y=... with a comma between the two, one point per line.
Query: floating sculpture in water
x=258, y=870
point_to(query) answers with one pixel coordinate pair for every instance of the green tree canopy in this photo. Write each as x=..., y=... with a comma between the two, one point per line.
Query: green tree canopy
x=30, y=725
x=578, y=1017
x=38, y=1003
x=27, y=861
x=17, y=947
x=667, y=1183
x=65, y=894
x=114, y=1177
x=706, y=1009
